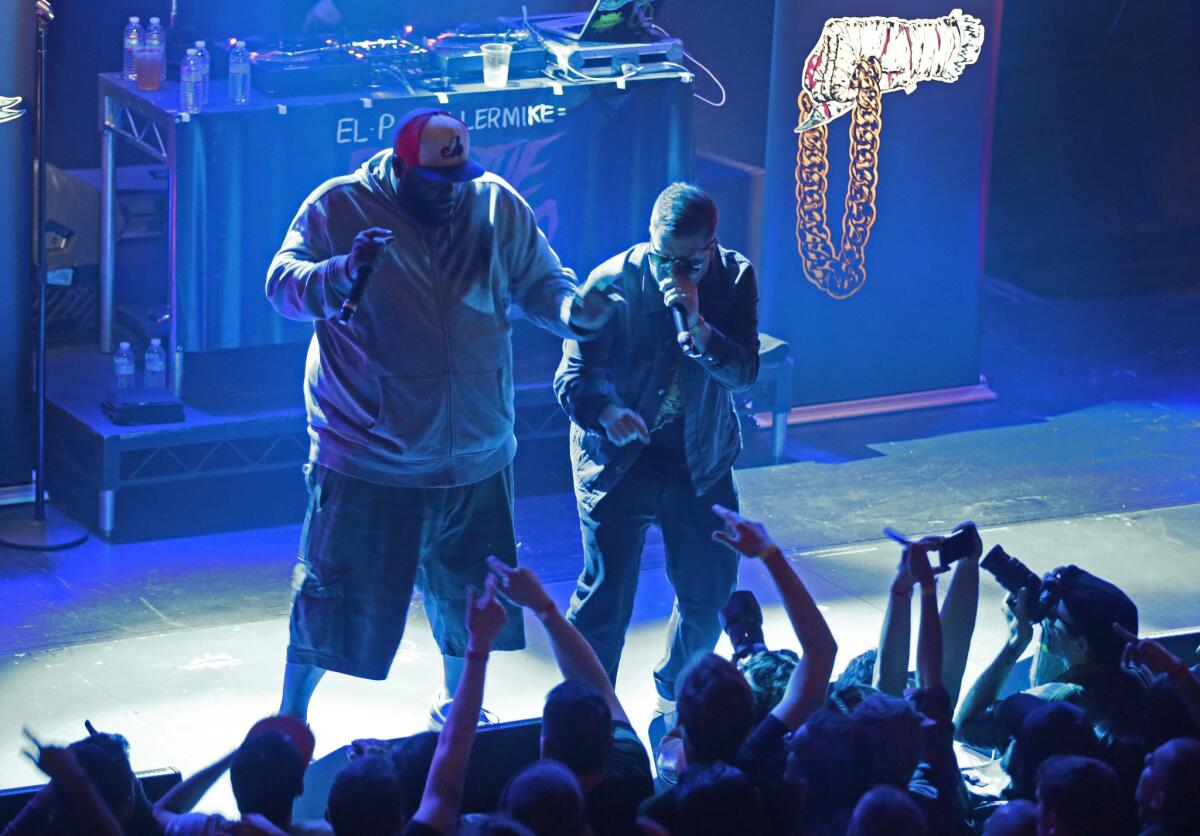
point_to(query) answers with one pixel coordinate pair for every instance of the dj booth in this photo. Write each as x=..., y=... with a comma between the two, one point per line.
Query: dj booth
x=589, y=156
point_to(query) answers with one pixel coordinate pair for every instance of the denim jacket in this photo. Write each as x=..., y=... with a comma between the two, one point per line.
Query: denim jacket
x=631, y=361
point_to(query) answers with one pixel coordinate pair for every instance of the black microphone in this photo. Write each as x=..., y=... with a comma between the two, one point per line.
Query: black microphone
x=362, y=277
x=679, y=315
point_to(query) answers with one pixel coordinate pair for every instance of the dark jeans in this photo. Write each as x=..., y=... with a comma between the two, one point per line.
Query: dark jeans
x=364, y=546
x=702, y=571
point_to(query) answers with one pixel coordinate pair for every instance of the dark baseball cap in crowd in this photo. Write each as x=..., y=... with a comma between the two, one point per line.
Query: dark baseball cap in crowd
x=1093, y=604
x=1043, y=728
x=436, y=145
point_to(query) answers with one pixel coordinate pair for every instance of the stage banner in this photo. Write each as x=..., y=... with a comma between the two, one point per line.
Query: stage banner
x=16, y=241
x=876, y=170
x=589, y=158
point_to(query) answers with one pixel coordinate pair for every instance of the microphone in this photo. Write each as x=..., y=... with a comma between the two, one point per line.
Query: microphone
x=680, y=317
x=362, y=277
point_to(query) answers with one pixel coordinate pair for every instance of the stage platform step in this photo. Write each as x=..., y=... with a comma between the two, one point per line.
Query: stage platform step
x=233, y=463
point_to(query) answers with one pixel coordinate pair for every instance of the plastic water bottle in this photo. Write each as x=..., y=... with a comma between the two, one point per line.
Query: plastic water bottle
x=123, y=366
x=239, y=74
x=156, y=36
x=155, y=376
x=189, y=83
x=133, y=39
x=205, y=65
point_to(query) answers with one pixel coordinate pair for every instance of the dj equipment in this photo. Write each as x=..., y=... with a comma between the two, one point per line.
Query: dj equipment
x=331, y=65
x=458, y=55
x=603, y=59
x=570, y=52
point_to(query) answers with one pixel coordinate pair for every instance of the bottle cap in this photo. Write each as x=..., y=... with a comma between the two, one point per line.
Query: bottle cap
x=155, y=341
x=199, y=44
x=124, y=345
x=135, y=19
x=241, y=44
x=191, y=52
x=154, y=19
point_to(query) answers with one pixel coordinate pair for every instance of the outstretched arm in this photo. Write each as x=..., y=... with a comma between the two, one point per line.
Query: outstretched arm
x=959, y=609
x=971, y=719
x=184, y=796
x=929, y=635
x=809, y=681
x=891, y=663
x=1159, y=660
x=442, y=798
x=576, y=658
x=71, y=784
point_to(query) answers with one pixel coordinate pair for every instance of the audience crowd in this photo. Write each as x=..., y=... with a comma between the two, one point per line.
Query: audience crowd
x=1105, y=740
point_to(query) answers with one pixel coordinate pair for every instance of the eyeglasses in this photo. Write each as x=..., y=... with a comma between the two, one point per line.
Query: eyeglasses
x=688, y=266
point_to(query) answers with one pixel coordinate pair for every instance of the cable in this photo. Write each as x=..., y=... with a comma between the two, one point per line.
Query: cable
x=696, y=61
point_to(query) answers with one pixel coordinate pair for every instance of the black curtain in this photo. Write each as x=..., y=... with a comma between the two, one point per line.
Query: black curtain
x=16, y=235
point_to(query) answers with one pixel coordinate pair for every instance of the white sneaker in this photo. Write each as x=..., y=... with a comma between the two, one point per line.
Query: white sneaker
x=439, y=711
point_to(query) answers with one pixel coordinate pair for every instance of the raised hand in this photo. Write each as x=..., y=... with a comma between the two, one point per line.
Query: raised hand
x=485, y=617
x=680, y=290
x=623, y=426
x=53, y=760
x=1020, y=625
x=1146, y=653
x=917, y=557
x=742, y=535
x=593, y=305
x=367, y=247
x=520, y=585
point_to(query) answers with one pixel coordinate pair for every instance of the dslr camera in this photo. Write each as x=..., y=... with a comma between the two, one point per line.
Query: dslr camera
x=1044, y=592
x=742, y=621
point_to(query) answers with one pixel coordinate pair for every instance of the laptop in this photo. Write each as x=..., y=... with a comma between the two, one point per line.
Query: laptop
x=610, y=21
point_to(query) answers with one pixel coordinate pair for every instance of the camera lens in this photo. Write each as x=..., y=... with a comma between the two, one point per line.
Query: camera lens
x=1012, y=574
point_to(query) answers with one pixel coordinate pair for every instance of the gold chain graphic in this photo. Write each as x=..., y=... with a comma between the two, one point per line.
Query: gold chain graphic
x=855, y=62
x=840, y=274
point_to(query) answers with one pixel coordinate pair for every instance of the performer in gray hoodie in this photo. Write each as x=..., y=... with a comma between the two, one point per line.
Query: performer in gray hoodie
x=410, y=402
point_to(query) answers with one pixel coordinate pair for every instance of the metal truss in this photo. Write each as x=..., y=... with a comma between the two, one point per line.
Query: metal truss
x=225, y=457
x=144, y=133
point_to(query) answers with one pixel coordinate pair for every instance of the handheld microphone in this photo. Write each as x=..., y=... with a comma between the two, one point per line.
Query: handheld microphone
x=362, y=277
x=680, y=317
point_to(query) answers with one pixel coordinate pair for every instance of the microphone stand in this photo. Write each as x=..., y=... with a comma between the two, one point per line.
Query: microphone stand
x=48, y=529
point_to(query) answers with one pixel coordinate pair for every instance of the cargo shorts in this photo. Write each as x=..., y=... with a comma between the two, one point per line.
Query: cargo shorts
x=364, y=547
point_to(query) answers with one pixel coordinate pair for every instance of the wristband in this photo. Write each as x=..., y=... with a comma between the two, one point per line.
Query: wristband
x=477, y=655
x=904, y=594
x=770, y=551
x=929, y=590
x=545, y=612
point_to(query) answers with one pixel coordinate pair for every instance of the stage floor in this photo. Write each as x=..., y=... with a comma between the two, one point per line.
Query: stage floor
x=1088, y=456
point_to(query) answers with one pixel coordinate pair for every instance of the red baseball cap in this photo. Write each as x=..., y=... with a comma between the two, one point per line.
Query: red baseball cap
x=436, y=145
x=296, y=732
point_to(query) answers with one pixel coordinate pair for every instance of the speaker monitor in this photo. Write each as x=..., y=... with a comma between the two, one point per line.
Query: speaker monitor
x=155, y=782
x=499, y=751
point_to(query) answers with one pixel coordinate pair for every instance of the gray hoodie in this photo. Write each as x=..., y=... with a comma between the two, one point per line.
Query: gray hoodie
x=416, y=390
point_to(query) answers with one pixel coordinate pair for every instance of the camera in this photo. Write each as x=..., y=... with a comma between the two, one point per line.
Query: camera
x=964, y=542
x=742, y=621
x=1012, y=574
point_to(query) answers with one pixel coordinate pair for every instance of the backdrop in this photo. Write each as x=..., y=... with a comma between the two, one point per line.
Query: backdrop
x=875, y=210
x=590, y=161
x=16, y=234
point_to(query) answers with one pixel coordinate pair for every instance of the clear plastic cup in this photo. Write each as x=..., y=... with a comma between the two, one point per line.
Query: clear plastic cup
x=147, y=64
x=495, y=64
